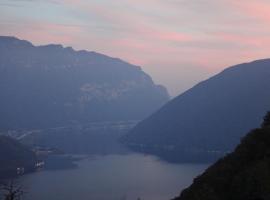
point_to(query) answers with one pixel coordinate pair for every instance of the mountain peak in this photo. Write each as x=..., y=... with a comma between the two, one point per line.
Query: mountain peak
x=52, y=46
x=11, y=40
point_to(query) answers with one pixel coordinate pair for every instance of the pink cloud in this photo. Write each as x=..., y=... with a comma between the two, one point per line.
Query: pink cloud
x=248, y=40
x=258, y=10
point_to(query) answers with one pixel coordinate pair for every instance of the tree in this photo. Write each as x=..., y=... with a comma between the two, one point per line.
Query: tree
x=266, y=121
x=11, y=191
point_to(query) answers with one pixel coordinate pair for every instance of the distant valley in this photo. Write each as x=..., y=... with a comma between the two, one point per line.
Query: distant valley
x=56, y=100
x=92, y=139
x=66, y=109
x=134, y=100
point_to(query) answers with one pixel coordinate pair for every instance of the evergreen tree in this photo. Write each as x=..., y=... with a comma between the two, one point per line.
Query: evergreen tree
x=266, y=121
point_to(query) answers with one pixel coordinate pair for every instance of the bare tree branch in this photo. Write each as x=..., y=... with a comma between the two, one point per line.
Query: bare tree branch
x=11, y=190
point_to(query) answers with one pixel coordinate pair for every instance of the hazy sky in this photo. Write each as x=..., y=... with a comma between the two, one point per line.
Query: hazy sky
x=178, y=42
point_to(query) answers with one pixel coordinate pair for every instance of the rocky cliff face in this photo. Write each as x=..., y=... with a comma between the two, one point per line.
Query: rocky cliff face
x=49, y=86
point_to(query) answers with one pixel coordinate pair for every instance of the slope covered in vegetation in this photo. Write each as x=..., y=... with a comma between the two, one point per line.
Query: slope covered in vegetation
x=242, y=175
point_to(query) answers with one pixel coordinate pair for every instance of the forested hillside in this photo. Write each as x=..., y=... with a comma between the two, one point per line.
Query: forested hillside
x=242, y=175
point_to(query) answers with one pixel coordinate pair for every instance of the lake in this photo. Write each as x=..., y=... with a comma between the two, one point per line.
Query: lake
x=112, y=177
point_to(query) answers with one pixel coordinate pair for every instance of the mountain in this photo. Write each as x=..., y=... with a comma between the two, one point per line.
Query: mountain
x=209, y=119
x=243, y=174
x=14, y=155
x=51, y=86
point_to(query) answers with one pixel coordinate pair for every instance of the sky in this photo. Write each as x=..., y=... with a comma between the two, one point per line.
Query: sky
x=178, y=42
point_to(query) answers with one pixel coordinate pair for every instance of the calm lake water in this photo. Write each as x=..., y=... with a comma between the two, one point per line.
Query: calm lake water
x=112, y=177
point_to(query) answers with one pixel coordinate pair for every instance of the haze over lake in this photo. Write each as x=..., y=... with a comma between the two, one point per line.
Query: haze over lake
x=112, y=177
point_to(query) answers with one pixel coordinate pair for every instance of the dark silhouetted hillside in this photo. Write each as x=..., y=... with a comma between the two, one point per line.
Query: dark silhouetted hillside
x=210, y=118
x=241, y=175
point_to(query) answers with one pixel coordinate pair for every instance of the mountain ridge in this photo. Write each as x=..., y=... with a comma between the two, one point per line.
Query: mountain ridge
x=58, y=85
x=211, y=116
